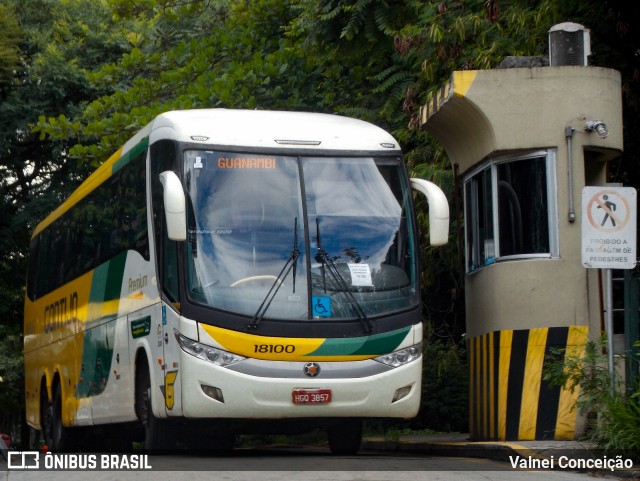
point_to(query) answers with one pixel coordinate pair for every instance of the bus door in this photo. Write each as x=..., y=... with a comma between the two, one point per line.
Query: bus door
x=106, y=377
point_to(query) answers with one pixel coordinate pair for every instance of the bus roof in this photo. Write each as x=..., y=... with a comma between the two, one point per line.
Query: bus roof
x=241, y=128
x=271, y=129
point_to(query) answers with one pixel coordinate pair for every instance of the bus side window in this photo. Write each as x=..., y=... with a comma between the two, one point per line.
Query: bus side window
x=163, y=157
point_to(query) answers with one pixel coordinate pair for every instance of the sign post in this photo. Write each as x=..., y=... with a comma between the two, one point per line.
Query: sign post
x=609, y=241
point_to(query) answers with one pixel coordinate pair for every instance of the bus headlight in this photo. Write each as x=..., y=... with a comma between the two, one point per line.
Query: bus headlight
x=207, y=353
x=402, y=356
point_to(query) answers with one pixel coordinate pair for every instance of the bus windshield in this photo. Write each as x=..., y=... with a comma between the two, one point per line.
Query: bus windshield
x=297, y=238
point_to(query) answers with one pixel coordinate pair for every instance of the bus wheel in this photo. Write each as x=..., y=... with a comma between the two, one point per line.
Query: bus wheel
x=345, y=438
x=60, y=439
x=45, y=417
x=156, y=432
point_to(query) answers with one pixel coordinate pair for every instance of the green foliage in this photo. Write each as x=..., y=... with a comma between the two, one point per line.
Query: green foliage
x=9, y=48
x=445, y=387
x=11, y=372
x=613, y=415
x=11, y=365
x=469, y=35
x=225, y=64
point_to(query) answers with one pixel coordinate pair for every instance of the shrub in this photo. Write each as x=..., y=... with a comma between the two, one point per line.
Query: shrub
x=445, y=387
x=612, y=413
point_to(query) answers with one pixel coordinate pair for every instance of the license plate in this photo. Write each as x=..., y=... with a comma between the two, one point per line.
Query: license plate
x=311, y=396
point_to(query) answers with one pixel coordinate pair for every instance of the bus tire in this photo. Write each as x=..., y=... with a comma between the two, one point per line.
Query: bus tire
x=157, y=435
x=45, y=416
x=60, y=435
x=345, y=437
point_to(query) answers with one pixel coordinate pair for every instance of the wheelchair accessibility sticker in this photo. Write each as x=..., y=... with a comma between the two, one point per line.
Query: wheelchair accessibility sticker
x=321, y=306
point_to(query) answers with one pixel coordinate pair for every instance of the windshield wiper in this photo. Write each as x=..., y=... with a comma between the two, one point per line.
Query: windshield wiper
x=289, y=265
x=327, y=264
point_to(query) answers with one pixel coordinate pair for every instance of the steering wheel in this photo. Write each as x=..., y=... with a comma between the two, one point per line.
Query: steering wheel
x=211, y=284
x=261, y=278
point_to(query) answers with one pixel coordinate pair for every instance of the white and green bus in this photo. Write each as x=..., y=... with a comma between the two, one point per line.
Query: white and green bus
x=229, y=271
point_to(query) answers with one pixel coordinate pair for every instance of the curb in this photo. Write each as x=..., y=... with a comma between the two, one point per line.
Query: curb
x=486, y=450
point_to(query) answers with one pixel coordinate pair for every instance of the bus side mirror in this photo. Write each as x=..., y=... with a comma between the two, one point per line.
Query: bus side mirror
x=174, y=206
x=438, y=210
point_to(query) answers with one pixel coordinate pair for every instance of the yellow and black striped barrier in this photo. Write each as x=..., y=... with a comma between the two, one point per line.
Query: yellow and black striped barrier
x=509, y=400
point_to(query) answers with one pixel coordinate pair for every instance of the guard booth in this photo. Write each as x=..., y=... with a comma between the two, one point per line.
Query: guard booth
x=523, y=142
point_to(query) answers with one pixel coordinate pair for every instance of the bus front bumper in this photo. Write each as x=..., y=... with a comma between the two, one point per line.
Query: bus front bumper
x=272, y=389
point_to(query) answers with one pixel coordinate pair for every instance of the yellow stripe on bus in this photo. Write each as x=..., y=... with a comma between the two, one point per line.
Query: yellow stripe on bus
x=273, y=348
x=99, y=176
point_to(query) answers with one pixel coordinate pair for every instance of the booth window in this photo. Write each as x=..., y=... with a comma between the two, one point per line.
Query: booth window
x=510, y=212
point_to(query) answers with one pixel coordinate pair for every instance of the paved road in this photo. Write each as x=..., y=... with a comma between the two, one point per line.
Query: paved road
x=307, y=464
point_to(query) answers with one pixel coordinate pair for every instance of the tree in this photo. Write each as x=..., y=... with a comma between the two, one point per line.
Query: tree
x=615, y=44
x=9, y=50
x=54, y=49
x=235, y=56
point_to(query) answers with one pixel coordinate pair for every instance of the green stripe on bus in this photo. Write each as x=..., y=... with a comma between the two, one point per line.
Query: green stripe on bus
x=99, y=336
x=383, y=343
x=115, y=274
x=377, y=344
x=130, y=154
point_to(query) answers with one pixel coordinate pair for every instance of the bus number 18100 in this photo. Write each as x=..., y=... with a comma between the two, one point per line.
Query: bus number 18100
x=274, y=348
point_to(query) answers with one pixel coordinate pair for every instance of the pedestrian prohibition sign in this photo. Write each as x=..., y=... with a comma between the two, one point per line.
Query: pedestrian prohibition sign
x=609, y=227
